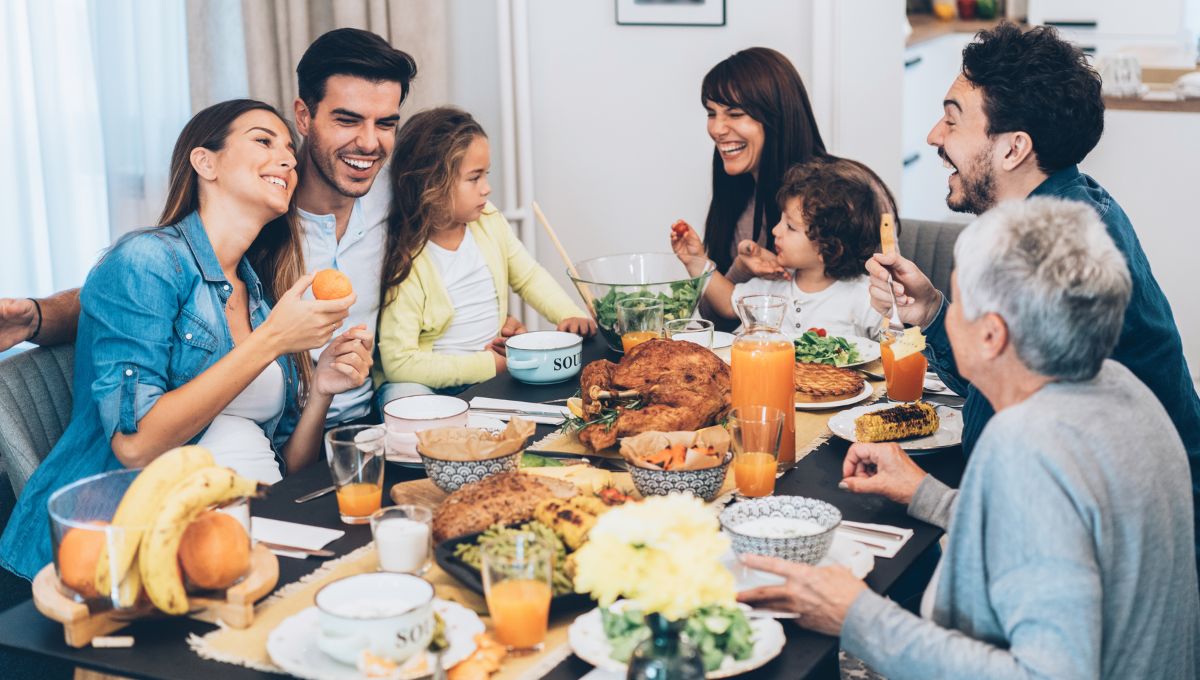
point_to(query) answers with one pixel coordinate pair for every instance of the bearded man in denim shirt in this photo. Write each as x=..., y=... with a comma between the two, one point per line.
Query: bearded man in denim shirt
x=1025, y=110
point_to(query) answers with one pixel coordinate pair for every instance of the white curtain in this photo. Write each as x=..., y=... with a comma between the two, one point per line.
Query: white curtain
x=94, y=93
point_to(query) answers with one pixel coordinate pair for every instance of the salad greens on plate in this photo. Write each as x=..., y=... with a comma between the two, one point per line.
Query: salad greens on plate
x=714, y=631
x=818, y=347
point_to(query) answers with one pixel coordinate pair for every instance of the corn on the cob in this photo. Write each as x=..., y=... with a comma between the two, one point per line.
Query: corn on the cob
x=571, y=519
x=900, y=422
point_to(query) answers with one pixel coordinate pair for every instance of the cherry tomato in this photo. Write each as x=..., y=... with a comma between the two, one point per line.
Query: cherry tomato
x=680, y=228
x=819, y=331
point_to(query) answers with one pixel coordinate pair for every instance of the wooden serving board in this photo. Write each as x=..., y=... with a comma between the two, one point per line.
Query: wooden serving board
x=81, y=626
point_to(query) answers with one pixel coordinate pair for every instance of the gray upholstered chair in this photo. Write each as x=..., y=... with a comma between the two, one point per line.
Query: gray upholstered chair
x=931, y=246
x=35, y=407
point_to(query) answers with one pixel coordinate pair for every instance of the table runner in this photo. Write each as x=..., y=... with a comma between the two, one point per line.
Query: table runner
x=248, y=647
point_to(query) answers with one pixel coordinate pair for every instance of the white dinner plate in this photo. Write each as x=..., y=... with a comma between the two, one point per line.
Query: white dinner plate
x=407, y=457
x=843, y=550
x=867, y=390
x=587, y=639
x=868, y=350
x=949, y=432
x=293, y=645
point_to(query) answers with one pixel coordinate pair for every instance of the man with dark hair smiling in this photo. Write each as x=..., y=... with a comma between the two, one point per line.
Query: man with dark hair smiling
x=351, y=86
x=1025, y=110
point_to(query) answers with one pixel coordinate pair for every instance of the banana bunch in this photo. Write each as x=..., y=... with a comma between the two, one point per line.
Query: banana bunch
x=153, y=514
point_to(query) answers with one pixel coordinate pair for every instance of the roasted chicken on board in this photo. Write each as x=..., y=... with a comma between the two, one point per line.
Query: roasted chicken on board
x=660, y=385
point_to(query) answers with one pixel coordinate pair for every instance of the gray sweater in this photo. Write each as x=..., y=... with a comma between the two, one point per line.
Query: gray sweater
x=1070, y=549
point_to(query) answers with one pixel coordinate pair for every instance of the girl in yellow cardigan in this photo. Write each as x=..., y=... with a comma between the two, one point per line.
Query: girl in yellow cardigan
x=451, y=259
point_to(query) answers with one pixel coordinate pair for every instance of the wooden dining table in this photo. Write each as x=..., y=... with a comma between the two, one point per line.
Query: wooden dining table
x=161, y=650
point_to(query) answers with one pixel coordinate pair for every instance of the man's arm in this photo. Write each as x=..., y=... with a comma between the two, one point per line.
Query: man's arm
x=46, y=321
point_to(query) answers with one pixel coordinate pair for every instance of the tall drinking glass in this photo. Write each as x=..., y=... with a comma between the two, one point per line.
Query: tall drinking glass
x=699, y=331
x=516, y=585
x=905, y=378
x=356, y=456
x=639, y=319
x=757, y=431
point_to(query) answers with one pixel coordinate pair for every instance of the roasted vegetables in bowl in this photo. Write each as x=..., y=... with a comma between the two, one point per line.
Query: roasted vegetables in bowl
x=605, y=281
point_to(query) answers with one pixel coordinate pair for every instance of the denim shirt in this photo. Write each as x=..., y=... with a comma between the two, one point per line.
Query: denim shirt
x=1149, y=344
x=152, y=318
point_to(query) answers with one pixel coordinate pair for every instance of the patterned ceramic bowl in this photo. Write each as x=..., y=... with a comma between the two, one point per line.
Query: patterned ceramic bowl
x=810, y=549
x=449, y=475
x=704, y=484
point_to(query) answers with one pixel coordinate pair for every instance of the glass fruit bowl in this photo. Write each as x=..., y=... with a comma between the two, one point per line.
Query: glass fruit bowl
x=609, y=279
x=214, y=551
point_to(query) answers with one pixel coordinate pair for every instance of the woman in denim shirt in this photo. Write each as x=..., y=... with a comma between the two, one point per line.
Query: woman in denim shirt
x=175, y=324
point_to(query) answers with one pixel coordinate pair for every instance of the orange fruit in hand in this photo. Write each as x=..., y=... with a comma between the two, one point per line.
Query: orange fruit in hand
x=330, y=284
x=214, y=551
x=78, y=553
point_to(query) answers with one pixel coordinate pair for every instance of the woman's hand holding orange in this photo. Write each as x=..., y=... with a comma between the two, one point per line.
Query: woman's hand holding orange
x=296, y=324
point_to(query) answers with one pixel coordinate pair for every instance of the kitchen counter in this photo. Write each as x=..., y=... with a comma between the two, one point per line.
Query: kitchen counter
x=926, y=27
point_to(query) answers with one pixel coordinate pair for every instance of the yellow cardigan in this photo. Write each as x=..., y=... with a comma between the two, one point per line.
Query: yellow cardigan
x=420, y=310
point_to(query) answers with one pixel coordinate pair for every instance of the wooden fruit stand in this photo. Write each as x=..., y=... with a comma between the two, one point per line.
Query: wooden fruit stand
x=81, y=626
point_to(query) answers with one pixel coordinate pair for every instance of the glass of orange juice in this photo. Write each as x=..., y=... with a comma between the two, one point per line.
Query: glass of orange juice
x=757, y=433
x=516, y=585
x=356, y=456
x=905, y=378
x=639, y=319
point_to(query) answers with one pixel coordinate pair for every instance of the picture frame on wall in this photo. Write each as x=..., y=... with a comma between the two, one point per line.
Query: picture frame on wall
x=670, y=12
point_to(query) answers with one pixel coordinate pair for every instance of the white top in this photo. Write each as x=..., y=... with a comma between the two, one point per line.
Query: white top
x=844, y=308
x=472, y=291
x=359, y=255
x=236, y=438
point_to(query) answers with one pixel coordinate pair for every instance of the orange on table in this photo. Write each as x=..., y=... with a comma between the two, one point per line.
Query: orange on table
x=754, y=472
x=78, y=553
x=359, y=499
x=634, y=338
x=763, y=376
x=215, y=550
x=331, y=284
x=520, y=610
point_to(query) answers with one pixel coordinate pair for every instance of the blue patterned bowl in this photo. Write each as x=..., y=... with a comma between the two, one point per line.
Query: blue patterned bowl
x=809, y=549
x=704, y=484
x=449, y=475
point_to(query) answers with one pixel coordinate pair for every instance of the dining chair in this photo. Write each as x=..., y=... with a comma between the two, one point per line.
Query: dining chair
x=930, y=245
x=35, y=407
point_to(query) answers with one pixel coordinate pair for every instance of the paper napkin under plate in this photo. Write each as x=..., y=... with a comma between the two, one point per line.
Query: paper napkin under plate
x=290, y=533
x=878, y=544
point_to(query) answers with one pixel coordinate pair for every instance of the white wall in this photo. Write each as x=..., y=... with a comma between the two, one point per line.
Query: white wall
x=619, y=141
x=1148, y=161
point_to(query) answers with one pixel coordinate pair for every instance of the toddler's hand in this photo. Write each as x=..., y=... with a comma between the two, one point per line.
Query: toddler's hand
x=759, y=261
x=579, y=325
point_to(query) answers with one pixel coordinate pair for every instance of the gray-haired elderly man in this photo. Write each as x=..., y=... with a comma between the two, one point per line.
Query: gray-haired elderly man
x=1070, y=548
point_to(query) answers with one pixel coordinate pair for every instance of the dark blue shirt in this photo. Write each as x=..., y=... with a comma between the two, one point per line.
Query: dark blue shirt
x=1149, y=344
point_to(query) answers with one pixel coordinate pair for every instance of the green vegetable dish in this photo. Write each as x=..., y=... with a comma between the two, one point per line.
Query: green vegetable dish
x=716, y=632
x=814, y=347
x=676, y=305
x=499, y=534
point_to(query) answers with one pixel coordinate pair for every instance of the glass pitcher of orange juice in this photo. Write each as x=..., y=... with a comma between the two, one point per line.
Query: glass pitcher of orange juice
x=763, y=362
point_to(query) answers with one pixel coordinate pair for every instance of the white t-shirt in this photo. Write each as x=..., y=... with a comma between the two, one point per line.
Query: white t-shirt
x=236, y=437
x=359, y=255
x=844, y=308
x=472, y=291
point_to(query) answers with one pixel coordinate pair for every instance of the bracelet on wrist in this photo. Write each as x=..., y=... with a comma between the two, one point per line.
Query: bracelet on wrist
x=38, y=328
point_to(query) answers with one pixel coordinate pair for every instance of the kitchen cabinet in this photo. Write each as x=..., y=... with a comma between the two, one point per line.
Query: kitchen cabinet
x=929, y=69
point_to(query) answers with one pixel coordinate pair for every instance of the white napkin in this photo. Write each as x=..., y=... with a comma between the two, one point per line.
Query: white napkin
x=290, y=533
x=510, y=405
x=877, y=544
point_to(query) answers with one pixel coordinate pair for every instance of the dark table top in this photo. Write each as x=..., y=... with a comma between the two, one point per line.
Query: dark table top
x=161, y=649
